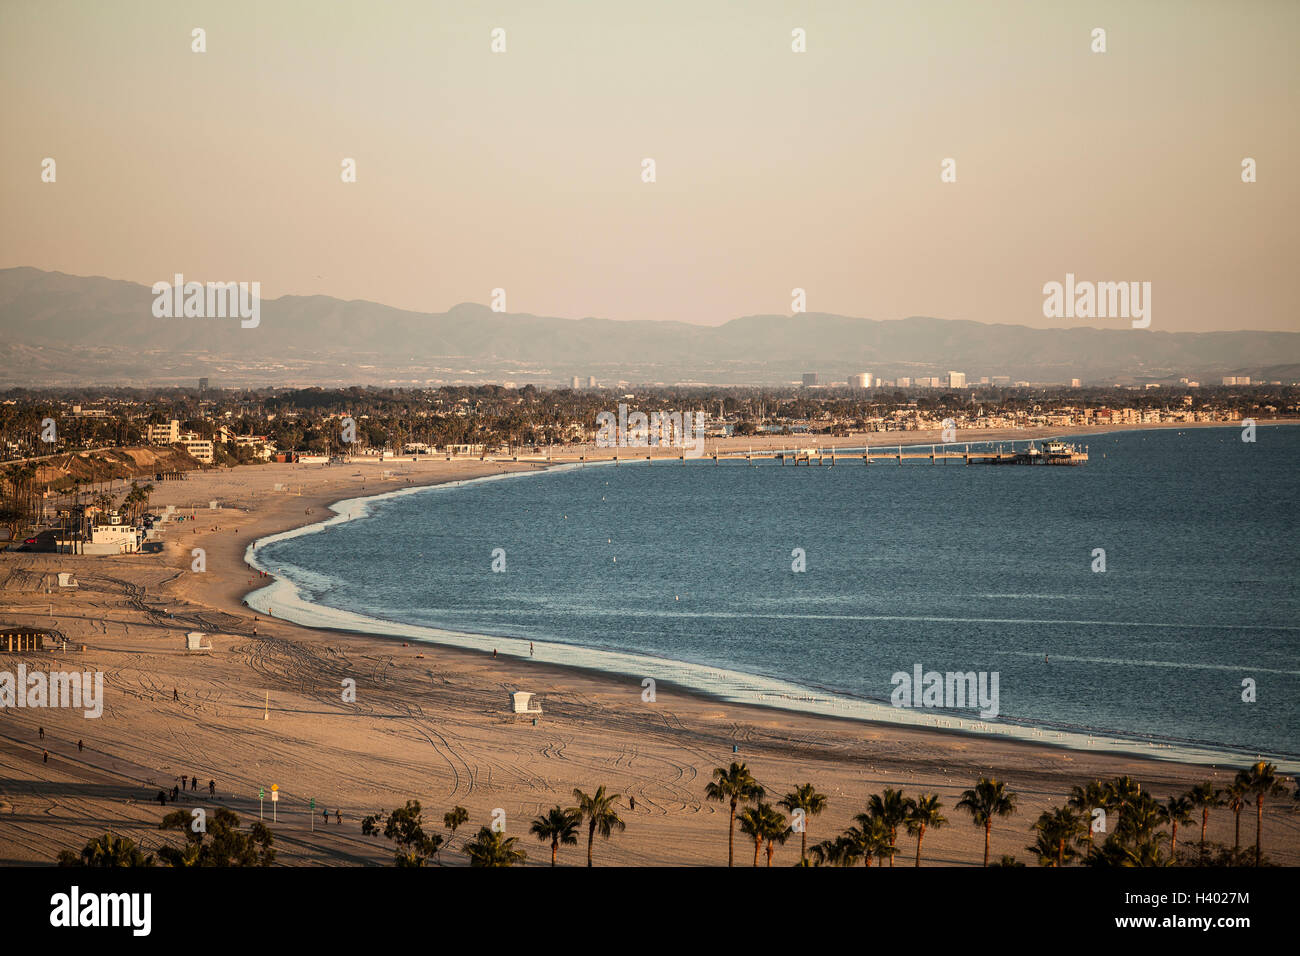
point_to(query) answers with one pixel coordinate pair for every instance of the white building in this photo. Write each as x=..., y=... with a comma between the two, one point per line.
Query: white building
x=861, y=380
x=956, y=379
x=197, y=448
x=167, y=434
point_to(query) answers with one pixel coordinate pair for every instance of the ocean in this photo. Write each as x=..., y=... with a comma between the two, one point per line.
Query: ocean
x=684, y=574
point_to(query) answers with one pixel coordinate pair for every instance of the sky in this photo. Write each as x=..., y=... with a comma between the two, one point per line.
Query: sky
x=775, y=170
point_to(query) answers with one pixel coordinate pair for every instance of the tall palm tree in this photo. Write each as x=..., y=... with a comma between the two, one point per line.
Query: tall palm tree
x=1085, y=799
x=493, y=849
x=1235, y=798
x=559, y=826
x=1261, y=780
x=870, y=838
x=598, y=810
x=734, y=784
x=923, y=814
x=892, y=809
x=1203, y=796
x=1179, y=810
x=804, y=797
x=988, y=799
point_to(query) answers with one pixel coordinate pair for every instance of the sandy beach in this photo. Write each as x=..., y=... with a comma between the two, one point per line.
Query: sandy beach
x=434, y=724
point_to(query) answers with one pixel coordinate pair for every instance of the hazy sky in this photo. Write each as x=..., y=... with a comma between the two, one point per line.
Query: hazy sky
x=522, y=170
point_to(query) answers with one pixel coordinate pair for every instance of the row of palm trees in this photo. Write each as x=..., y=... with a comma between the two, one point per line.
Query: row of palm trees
x=490, y=847
x=1062, y=834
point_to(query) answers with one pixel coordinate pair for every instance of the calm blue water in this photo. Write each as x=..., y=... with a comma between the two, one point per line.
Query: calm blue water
x=956, y=568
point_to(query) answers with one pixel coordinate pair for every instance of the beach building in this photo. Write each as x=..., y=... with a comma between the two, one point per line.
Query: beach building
x=196, y=447
x=17, y=639
x=167, y=434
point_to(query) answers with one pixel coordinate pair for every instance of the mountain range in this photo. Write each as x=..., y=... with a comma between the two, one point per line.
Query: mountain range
x=60, y=330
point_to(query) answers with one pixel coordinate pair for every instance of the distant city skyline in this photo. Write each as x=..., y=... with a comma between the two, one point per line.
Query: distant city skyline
x=775, y=170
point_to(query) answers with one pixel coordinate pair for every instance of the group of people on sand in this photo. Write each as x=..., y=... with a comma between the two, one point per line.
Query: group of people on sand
x=193, y=783
x=45, y=754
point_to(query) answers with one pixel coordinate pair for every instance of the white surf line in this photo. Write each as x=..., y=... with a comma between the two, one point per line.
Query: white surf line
x=733, y=686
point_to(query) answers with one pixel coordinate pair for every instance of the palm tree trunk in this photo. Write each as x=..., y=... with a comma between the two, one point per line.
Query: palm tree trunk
x=1173, y=842
x=987, y=827
x=803, y=848
x=758, y=845
x=555, y=845
x=771, y=848
x=1205, y=819
x=892, y=837
x=731, y=835
x=1060, y=852
x=919, y=837
x=591, y=835
x=1259, y=824
x=1236, y=838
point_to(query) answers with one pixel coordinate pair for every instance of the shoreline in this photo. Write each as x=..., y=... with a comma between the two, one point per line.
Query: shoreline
x=432, y=722
x=737, y=687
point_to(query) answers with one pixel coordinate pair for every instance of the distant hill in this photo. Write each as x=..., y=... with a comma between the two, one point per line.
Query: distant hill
x=74, y=330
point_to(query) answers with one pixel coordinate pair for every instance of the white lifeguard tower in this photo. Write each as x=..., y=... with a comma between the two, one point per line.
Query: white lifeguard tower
x=194, y=642
x=522, y=702
x=66, y=580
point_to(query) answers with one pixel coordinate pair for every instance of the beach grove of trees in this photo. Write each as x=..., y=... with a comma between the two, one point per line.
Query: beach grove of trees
x=1111, y=823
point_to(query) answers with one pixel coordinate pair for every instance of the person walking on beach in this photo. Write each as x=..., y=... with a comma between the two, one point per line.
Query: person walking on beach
x=494, y=653
x=161, y=798
x=326, y=814
x=530, y=648
x=194, y=783
x=41, y=732
x=45, y=756
x=176, y=695
x=80, y=746
x=212, y=788
x=185, y=779
x=338, y=817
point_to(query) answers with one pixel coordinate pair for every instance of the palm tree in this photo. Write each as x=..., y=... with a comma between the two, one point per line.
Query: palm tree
x=1203, y=796
x=1234, y=798
x=870, y=838
x=923, y=814
x=1056, y=830
x=735, y=784
x=1178, y=810
x=806, y=798
x=990, y=798
x=1261, y=780
x=107, y=851
x=598, y=810
x=490, y=848
x=892, y=809
x=751, y=824
x=559, y=826
x=841, y=851
x=775, y=829
x=1085, y=799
